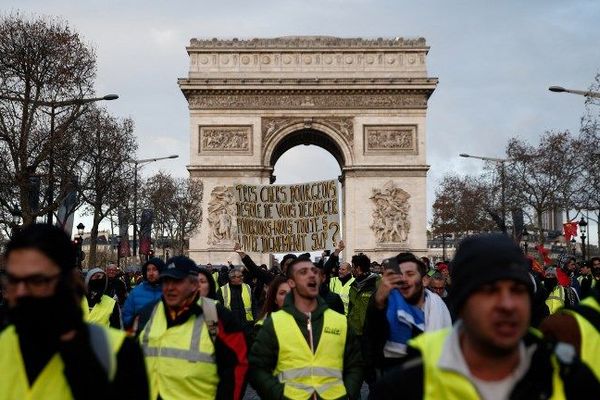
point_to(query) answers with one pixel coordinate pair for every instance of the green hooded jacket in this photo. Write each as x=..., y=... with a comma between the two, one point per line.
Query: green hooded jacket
x=264, y=353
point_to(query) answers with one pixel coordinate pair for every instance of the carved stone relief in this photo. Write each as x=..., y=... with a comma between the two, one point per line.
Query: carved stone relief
x=391, y=223
x=289, y=100
x=221, y=216
x=391, y=138
x=342, y=125
x=219, y=139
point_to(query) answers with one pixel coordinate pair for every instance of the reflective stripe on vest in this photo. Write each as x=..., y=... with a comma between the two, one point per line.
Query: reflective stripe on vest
x=169, y=351
x=303, y=372
x=442, y=384
x=101, y=312
x=590, y=336
x=556, y=300
x=51, y=383
x=336, y=286
x=246, y=299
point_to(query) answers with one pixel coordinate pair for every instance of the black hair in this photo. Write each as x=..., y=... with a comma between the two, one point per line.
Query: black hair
x=290, y=269
x=51, y=241
x=212, y=287
x=362, y=262
x=410, y=257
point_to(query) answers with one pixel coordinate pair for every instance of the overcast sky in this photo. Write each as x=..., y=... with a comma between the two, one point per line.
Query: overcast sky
x=494, y=59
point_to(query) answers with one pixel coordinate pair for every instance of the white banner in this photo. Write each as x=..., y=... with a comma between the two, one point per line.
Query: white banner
x=288, y=218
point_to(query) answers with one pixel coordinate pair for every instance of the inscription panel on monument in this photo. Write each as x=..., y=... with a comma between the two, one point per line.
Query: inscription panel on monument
x=390, y=139
x=225, y=139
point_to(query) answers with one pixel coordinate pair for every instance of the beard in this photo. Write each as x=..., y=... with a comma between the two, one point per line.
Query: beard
x=416, y=296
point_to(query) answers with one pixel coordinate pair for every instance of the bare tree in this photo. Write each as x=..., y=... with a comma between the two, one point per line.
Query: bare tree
x=544, y=176
x=42, y=62
x=461, y=205
x=106, y=174
x=177, y=207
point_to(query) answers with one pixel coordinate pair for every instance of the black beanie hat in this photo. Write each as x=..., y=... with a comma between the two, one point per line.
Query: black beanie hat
x=485, y=259
x=157, y=262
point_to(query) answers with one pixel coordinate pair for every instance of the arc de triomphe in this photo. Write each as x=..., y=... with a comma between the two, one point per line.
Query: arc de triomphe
x=363, y=100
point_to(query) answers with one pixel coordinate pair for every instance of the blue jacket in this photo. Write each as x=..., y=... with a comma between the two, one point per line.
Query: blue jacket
x=142, y=295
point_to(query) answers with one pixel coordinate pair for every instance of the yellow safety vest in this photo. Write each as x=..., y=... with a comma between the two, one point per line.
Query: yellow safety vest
x=215, y=276
x=590, y=336
x=51, y=383
x=101, y=312
x=336, y=286
x=440, y=384
x=304, y=372
x=246, y=299
x=180, y=360
x=556, y=299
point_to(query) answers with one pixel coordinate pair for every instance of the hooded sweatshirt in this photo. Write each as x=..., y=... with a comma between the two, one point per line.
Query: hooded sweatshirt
x=95, y=290
x=144, y=294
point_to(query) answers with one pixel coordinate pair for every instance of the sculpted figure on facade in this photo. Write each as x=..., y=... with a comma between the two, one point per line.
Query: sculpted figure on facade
x=221, y=214
x=225, y=138
x=391, y=222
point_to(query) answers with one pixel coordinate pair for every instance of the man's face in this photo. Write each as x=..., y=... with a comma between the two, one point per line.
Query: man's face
x=585, y=270
x=152, y=273
x=236, y=278
x=306, y=280
x=411, y=282
x=571, y=266
x=344, y=270
x=438, y=286
x=496, y=316
x=111, y=271
x=29, y=273
x=209, y=267
x=177, y=292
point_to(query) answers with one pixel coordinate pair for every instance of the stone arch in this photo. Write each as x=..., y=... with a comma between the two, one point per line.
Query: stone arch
x=318, y=133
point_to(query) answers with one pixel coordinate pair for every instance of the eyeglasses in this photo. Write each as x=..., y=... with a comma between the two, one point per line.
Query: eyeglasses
x=31, y=282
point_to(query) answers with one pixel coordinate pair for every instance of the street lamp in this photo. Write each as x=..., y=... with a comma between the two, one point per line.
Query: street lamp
x=574, y=246
x=137, y=164
x=560, y=89
x=502, y=162
x=583, y=227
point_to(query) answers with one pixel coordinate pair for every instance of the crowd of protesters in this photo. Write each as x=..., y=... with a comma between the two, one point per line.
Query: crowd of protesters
x=490, y=324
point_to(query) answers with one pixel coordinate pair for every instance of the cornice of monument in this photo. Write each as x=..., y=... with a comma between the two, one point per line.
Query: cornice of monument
x=308, y=42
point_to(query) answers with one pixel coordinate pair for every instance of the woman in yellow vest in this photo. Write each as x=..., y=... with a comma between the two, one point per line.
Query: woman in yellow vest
x=48, y=352
x=101, y=309
x=305, y=349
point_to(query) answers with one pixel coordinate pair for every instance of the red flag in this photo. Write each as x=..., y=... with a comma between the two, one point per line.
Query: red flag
x=544, y=254
x=570, y=229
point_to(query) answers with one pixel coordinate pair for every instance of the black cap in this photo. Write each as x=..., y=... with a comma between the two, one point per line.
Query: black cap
x=485, y=259
x=179, y=267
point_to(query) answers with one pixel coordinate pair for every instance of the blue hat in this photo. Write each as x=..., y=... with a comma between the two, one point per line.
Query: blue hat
x=179, y=267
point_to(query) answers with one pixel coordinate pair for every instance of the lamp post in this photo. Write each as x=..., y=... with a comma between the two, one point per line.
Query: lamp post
x=137, y=164
x=560, y=89
x=574, y=246
x=525, y=236
x=502, y=162
x=583, y=228
x=79, y=242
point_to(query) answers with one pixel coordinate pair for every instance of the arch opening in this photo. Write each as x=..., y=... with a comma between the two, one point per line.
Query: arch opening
x=307, y=137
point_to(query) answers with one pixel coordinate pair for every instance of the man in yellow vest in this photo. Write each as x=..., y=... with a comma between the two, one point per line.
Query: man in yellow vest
x=580, y=327
x=237, y=297
x=101, y=309
x=305, y=350
x=48, y=352
x=341, y=284
x=489, y=353
x=559, y=296
x=194, y=347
